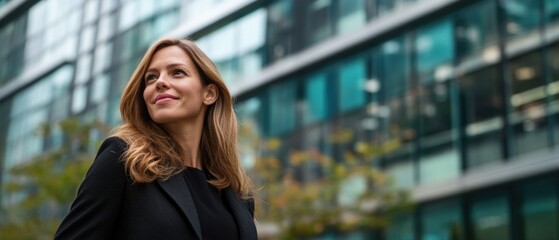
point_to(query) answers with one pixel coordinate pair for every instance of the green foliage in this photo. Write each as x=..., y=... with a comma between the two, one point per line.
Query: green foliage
x=344, y=194
x=39, y=192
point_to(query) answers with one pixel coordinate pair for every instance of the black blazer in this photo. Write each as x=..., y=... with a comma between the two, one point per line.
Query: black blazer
x=109, y=206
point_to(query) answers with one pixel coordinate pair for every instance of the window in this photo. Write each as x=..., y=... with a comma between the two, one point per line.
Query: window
x=481, y=107
x=316, y=99
x=282, y=107
x=528, y=119
x=103, y=57
x=91, y=8
x=83, y=71
x=553, y=86
x=438, y=130
x=391, y=67
x=435, y=51
x=476, y=32
x=280, y=30
x=402, y=173
x=100, y=89
x=401, y=228
x=522, y=16
x=128, y=16
x=395, y=113
x=398, y=118
x=319, y=20
x=351, y=15
x=36, y=19
x=249, y=113
x=551, y=12
x=79, y=99
x=539, y=211
x=39, y=103
x=490, y=218
x=106, y=27
x=237, y=48
x=442, y=221
x=351, y=83
x=251, y=39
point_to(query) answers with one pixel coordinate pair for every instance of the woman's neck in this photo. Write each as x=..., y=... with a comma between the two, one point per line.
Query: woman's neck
x=188, y=138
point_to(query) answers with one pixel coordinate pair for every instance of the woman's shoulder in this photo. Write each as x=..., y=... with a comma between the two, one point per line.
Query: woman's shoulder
x=108, y=160
x=112, y=148
x=113, y=144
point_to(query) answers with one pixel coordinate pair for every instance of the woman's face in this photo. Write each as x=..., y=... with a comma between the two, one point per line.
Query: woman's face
x=174, y=91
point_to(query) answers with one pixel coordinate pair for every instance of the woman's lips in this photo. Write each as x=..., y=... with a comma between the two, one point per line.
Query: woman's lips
x=163, y=98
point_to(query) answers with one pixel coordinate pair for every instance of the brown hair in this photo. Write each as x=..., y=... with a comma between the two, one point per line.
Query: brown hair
x=152, y=153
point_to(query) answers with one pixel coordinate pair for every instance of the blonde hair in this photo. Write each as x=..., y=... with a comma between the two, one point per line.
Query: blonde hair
x=152, y=153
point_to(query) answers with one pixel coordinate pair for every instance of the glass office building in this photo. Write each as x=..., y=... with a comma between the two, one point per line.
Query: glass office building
x=468, y=91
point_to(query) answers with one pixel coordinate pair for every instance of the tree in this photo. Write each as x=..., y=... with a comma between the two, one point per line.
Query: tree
x=344, y=194
x=39, y=192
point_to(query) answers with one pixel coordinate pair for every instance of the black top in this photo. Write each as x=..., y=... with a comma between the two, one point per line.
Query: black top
x=215, y=216
x=109, y=205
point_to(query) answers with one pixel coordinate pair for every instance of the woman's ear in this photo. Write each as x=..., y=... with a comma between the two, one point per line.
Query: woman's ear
x=210, y=94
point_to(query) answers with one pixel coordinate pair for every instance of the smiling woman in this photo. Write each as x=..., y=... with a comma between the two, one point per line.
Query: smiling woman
x=172, y=170
x=175, y=93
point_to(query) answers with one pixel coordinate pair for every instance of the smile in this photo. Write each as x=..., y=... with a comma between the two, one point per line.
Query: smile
x=163, y=98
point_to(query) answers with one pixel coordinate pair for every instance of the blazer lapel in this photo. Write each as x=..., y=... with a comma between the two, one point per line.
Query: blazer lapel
x=177, y=189
x=245, y=223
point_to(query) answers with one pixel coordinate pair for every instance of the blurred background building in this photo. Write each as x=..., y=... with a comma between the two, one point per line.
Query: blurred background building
x=468, y=90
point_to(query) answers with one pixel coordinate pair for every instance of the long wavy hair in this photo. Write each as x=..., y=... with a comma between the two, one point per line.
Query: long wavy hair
x=152, y=154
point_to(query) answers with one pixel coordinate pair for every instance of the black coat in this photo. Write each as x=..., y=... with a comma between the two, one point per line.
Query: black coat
x=110, y=206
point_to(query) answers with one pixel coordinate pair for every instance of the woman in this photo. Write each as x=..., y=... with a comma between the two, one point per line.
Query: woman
x=171, y=171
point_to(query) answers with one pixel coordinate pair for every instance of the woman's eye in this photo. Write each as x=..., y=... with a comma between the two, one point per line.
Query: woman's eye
x=179, y=72
x=150, y=77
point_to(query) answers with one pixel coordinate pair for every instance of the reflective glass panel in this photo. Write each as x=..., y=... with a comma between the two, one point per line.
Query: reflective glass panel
x=528, y=119
x=106, y=27
x=551, y=12
x=490, y=218
x=539, y=211
x=282, y=107
x=351, y=83
x=351, y=15
x=522, y=16
x=249, y=113
x=100, y=89
x=398, y=120
x=280, y=29
x=91, y=12
x=435, y=51
x=391, y=67
x=401, y=228
x=553, y=87
x=481, y=103
x=79, y=99
x=250, y=43
x=316, y=107
x=319, y=20
x=439, y=158
x=402, y=174
x=36, y=21
x=476, y=32
x=37, y=104
x=442, y=221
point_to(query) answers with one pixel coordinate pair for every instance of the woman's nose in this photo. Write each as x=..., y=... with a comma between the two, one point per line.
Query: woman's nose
x=161, y=83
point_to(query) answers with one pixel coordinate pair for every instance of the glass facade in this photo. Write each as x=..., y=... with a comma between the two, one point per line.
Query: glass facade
x=442, y=221
x=490, y=217
x=526, y=210
x=45, y=101
x=539, y=209
x=439, y=91
x=462, y=92
x=447, y=95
